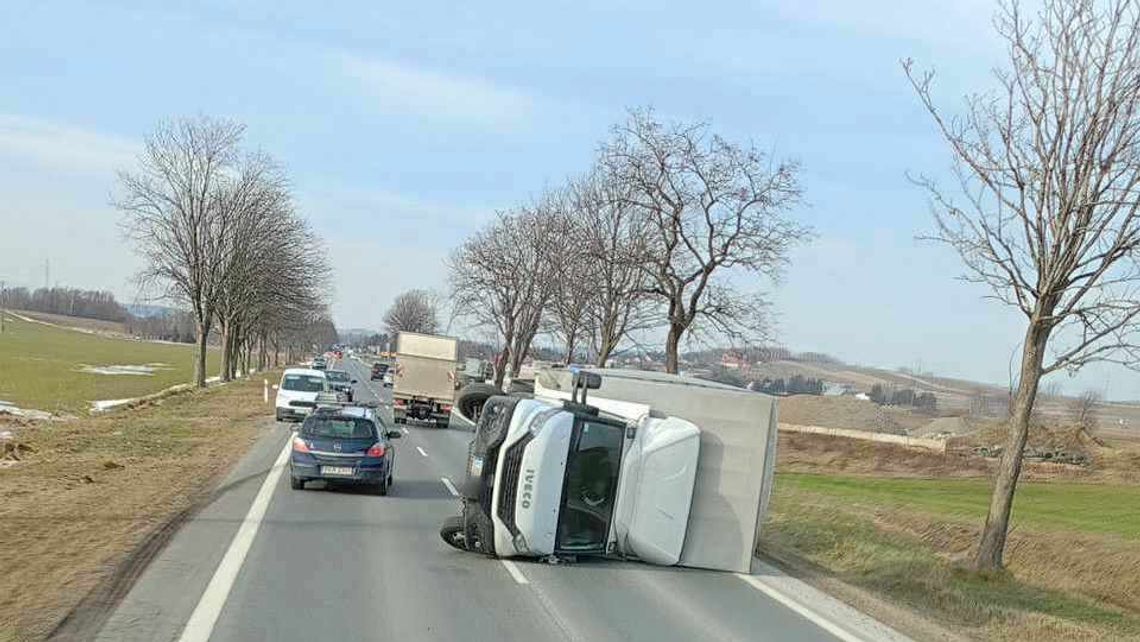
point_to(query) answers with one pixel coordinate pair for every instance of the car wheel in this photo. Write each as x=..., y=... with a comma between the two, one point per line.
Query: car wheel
x=296, y=483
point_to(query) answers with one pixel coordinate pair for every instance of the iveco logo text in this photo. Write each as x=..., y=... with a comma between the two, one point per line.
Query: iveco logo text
x=528, y=488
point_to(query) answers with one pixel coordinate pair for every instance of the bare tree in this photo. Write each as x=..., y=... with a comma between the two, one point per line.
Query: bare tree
x=501, y=278
x=1084, y=410
x=1048, y=171
x=413, y=311
x=170, y=205
x=712, y=207
x=611, y=238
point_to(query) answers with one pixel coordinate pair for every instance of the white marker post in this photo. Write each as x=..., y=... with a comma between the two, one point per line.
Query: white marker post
x=265, y=393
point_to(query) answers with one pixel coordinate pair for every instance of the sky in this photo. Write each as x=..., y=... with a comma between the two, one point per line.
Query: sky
x=404, y=126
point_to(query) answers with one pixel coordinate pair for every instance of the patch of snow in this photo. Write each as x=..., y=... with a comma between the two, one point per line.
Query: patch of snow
x=142, y=371
x=7, y=408
x=108, y=404
x=213, y=379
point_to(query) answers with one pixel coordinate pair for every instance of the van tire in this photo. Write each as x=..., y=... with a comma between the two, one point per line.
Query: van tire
x=470, y=399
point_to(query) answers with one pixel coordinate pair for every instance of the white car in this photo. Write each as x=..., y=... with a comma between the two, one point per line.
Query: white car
x=297, y=392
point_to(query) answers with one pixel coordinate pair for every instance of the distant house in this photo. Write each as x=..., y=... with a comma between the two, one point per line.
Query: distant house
x=733, y=360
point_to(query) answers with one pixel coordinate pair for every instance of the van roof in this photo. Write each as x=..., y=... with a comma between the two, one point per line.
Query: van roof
x=304, y=371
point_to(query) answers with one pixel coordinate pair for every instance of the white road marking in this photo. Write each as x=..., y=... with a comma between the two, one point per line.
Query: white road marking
x=450, y=486
x=812, y=617
x=201, y=623
x=405, y=430
x=515, y=572
x=422, y=451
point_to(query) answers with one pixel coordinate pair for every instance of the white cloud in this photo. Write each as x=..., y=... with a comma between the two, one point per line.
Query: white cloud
x=403, y=89
x=62, y=147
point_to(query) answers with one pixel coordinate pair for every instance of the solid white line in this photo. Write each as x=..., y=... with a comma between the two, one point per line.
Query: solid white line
x=201, y=623
x=811, y=616
x=450, y=486
x=422, y=452
x=515, y=572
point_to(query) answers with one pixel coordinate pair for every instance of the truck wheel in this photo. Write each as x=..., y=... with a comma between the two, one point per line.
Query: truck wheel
x=471, y=398
x=452, y=533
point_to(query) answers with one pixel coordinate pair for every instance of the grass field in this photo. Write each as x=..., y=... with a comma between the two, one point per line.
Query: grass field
x=40, y=367
x=1072, y=556
x=88, y=491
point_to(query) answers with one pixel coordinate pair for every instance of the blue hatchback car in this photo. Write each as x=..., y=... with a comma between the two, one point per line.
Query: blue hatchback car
x=347, y=444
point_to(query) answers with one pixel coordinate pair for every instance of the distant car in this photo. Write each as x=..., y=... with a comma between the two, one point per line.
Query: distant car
x=388, y=379
x=344, y=445
x=340, y=382
x=378, y=370
x=320, y=363
x=297, y=392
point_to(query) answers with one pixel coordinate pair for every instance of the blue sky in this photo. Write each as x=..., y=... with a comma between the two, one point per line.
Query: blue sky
x=404, y=126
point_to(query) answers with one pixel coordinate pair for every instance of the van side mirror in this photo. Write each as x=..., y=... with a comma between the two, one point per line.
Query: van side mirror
x=353, y=381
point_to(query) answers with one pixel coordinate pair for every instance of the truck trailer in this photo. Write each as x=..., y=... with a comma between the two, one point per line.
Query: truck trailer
x=612, y=463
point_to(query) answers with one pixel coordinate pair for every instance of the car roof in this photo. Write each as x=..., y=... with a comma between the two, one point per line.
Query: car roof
x=346, y=411
x=304, y=371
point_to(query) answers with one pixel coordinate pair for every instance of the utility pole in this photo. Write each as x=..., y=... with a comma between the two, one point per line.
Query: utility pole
x=3, y=301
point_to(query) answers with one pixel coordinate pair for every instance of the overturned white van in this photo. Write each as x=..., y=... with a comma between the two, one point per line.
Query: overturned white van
x=666, y=469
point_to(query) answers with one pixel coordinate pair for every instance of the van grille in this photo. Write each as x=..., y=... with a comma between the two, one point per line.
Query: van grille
x=512, y=467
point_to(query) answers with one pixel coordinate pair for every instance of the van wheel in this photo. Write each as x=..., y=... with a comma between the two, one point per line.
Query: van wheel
x=471, y=398
x=296, y=483
x=452, y=533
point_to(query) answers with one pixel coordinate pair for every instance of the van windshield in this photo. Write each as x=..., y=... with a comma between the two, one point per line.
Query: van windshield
x=591, y=484
x=303, y=383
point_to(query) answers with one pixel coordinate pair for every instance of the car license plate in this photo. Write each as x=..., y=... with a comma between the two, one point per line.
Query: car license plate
x=343, y=471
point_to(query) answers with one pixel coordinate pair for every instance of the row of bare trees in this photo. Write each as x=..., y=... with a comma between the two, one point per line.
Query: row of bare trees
x=656, y=238
x=219, y=234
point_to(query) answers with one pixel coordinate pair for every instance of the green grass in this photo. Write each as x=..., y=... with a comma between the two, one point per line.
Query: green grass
x=40, y=367
x=898, y=538
x=1089, y=508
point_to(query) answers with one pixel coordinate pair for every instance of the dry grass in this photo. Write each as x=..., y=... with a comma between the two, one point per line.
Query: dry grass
x=92, y=489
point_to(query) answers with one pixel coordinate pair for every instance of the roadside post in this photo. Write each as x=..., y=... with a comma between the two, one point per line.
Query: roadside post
x=265, y=390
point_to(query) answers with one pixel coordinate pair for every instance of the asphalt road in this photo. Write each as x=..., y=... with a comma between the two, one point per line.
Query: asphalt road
x=324, y=565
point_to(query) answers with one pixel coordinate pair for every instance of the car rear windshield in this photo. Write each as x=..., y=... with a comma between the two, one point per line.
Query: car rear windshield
x=338, y=428
x=337, y=375
x=303, y=383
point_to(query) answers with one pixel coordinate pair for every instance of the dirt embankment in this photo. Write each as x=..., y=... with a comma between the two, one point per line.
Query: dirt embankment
x=848, y=412
x=83, y=494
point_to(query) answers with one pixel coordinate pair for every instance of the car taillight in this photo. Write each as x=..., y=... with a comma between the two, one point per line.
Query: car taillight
x=299, y=445
x=377, y=450
x=401, y=402
x=445, y=407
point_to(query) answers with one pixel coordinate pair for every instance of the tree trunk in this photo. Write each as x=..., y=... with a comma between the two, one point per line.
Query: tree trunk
x=501, y=365
x=672, y=342
x=570, y=349
x=991, y=547
x=200, y=358
x=227, y=353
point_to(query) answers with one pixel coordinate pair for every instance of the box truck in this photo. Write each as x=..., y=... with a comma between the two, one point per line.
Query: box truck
x=423, y=387
x=665, y=469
